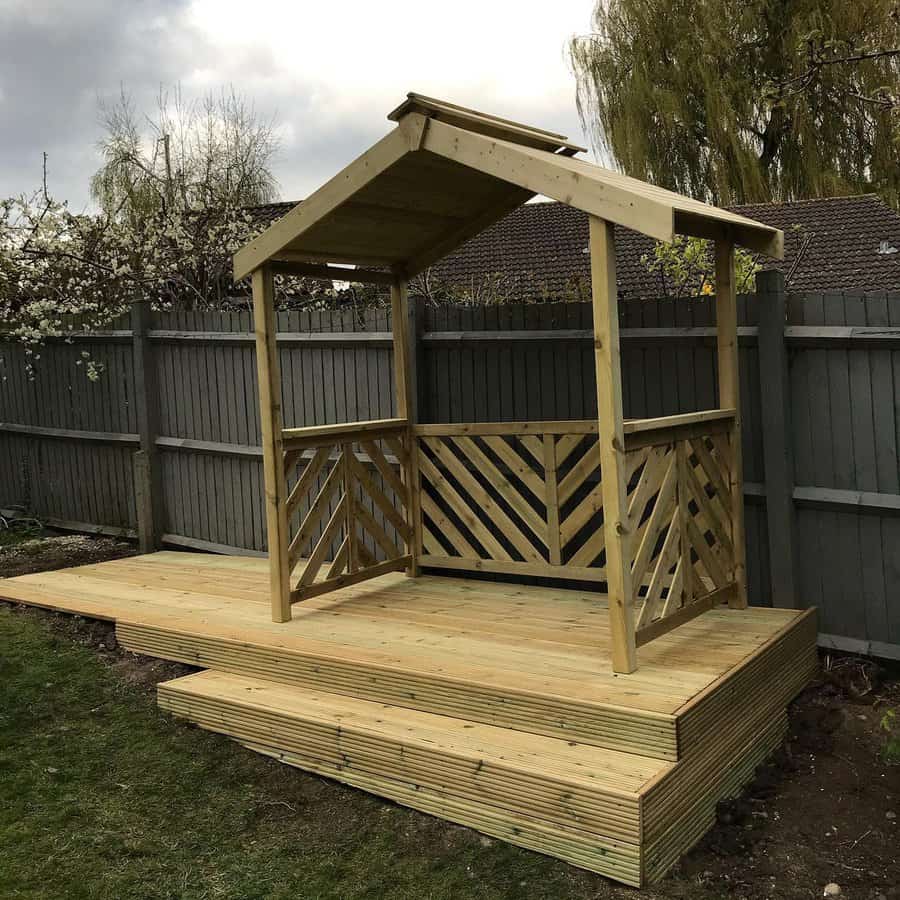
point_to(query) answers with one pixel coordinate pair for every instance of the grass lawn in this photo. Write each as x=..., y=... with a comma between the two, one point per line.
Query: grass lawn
x=103, y=796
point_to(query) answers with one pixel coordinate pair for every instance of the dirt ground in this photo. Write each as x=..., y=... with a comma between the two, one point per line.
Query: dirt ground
x=46, y=551
x=824, y=810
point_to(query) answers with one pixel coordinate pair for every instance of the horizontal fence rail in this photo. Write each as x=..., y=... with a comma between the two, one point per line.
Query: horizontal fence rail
x=821, y=426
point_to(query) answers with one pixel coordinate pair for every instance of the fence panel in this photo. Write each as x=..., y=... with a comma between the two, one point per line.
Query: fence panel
x=67, y=442
x=846, y=431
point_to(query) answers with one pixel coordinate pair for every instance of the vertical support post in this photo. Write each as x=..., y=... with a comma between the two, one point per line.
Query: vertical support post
x=778, y=446
x=350, y=513
x=684, y=548
x=403, y=385
x=617, y=528
x=148, y=497
x=730, y=396
x=551, y=501
x=273, y=451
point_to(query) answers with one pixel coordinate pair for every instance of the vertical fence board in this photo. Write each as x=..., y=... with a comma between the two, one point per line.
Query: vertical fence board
x=844, y=424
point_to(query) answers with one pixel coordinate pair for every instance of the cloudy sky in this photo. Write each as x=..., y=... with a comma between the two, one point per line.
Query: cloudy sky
x=329, y=72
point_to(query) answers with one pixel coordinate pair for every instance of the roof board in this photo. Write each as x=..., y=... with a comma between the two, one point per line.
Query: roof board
x=445, y=173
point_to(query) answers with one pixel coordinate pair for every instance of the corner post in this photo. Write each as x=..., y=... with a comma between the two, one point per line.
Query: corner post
x=404, y=381
x=617, y=529
x=730, y=396
x=778, y=447
x=273, y=451
x=148, y=499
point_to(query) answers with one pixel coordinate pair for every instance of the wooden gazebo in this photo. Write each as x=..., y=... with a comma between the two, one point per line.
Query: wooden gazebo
x=663, y=526
x=487, y=701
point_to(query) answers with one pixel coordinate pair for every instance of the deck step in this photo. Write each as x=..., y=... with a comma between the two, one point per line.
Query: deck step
x=620, y=814
x=489, y=705
x=770, y=679
x=575, y=801
x=607, y=725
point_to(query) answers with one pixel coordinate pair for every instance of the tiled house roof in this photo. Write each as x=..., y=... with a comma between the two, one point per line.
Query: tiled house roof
x=539, y=250
x=267, y=213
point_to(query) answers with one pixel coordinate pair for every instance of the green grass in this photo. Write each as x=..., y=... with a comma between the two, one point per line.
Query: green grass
x=103, y=796
x=13, y=533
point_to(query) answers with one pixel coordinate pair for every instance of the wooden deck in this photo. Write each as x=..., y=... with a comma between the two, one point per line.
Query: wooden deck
x=489, y=704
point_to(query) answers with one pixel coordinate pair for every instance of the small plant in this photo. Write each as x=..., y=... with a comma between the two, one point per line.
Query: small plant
x=890, y=750
x=687, y=267
x=17, y=531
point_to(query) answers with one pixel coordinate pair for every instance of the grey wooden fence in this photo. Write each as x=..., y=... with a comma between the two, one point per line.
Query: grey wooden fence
x=168, y=437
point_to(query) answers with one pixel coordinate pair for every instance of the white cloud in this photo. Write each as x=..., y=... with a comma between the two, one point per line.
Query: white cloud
x=334, y=71
x=330, y=72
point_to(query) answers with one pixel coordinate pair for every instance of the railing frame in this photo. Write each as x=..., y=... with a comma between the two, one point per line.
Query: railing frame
x=617, y=527
x=515, y=474
x=327, y=522
x=615, y=436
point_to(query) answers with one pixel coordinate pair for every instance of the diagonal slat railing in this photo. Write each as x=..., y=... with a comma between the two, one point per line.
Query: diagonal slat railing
x=526, y=498
x=511, y=498
x=681, y=548
x=352, y=487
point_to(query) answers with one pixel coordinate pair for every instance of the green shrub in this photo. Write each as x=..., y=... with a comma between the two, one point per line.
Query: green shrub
x=890, y=750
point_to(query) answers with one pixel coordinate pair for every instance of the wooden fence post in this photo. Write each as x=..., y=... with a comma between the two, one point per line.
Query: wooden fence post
x=148, y=496
x=777, y=438
x=418, y=394
x=418, y=403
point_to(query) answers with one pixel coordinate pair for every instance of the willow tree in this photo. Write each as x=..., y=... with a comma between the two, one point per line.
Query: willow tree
x=738, y=101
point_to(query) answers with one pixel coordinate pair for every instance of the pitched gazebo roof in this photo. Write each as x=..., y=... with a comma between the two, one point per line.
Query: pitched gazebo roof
x=446, y=173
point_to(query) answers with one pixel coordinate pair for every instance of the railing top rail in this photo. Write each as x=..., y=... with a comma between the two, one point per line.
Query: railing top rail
x=586, y=426
x=667, y=429
x=322, y=435
x=573, y=426
x=633, y=426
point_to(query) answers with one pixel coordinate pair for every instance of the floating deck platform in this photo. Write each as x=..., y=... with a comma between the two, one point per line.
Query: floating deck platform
x=488, y=704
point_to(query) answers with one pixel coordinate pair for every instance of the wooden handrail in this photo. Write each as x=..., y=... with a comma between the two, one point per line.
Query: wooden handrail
x=570, y=426
x=574, y=426
x=319, y=435
x=632, y=426
x=668, y=429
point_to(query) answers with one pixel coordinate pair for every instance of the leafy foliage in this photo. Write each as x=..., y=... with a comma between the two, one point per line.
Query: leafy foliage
x=739, y=101
x=171, y=217
x=14, y=531
x=59, y=269
x=688, y=267
x=214, y=153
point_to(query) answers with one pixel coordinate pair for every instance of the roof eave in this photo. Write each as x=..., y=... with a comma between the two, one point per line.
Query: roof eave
x=747, y=233
x=522, y=166
x=393, y=146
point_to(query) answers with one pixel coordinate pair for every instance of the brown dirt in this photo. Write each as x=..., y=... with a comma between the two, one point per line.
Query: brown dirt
x=58, y=551
x=824, y=809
